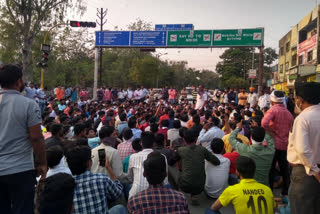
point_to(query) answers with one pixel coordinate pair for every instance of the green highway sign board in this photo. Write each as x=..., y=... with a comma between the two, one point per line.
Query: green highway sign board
x=181, y=38
x=193, y=38
x=239, y=37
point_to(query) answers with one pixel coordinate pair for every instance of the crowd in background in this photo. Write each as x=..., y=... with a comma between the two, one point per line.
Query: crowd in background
x=140, y=151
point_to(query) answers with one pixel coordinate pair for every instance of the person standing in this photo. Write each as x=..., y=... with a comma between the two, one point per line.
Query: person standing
x=172, y=95
x=184, y=93
x=278, y=122
x=20, y=138
x=41, y=96
x=194, y=93
x=252, y=98
x=202, y=98
x=304, y=149
x=165, y=93
x=30, y=91
x=59, y=93
x=264, y=100
x=225, y=97
x=74, y=95
x=108, y=95
x=231, y=96
x=129, y=94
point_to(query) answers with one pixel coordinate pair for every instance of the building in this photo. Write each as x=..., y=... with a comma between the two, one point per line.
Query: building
x=298, y=53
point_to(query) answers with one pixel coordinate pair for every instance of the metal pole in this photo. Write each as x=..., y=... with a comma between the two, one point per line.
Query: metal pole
x=260, y=68
x=42, y=79
x=101, y=50
x=95, y=82
x=252, y=66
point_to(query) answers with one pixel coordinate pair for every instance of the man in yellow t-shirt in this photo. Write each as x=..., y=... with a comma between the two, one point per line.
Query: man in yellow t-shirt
x=249, y=196
x=227, y=145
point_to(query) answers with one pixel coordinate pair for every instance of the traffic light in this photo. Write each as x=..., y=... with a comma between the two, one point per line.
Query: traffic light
x=45, y=53
x=82, y=24
x=44, y=60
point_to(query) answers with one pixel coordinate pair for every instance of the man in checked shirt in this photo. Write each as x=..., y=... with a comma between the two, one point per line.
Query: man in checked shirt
x=157, y=198
x=93, y=190
x=278, y=122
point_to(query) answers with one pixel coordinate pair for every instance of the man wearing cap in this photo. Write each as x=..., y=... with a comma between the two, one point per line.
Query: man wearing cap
x=278, y=121
x=304, y=149
x=252, y=97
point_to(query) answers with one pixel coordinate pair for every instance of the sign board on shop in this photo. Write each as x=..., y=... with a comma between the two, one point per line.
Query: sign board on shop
x=174, y=27
x=252, y=73
x=238, y=37
x=193, y=38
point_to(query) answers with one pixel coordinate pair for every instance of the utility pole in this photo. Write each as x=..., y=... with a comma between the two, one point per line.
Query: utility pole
x=252, y=66
x=101, y=15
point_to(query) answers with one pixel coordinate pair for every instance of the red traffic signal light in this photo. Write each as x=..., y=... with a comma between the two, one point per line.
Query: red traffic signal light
x=82, y=24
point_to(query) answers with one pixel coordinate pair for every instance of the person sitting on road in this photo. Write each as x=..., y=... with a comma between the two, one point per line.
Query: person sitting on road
x=248, y=196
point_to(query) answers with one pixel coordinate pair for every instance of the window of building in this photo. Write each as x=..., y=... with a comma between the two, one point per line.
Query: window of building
x=287, y=46
x=310, y=54
x=281, y=69
x=301, y=60
x=287, y=66
x=294, y=60
x=281, y=51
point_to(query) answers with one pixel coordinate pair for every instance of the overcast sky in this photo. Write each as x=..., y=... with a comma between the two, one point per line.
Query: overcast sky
x=276, y=16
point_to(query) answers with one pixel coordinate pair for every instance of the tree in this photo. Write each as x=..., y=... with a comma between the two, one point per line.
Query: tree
x=144, y=71
x=25, y=19
x=270, y=55
x=237, y=61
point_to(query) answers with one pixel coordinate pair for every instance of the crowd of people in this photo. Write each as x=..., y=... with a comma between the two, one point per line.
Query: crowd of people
x=130, y=151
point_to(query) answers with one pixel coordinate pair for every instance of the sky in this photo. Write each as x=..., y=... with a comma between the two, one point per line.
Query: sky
x=276, y=16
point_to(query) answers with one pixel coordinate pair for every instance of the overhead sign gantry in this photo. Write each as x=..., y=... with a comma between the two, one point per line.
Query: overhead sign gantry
x=181, y=36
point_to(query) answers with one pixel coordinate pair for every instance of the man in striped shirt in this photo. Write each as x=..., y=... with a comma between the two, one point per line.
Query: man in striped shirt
x=135, y=171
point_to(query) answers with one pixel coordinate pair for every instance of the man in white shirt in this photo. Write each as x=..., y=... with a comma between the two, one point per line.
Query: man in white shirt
x=30, y=91
x=137, y=94
x=144, y=92
x=41, y=97
x=304, y=149
x=264, y=100
x=209, y=132
x=111, y=153
x=217, y=176
x=252, y=97
x=129, y=94
x=121, y=95
x=202, y=98
x=173, y=133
